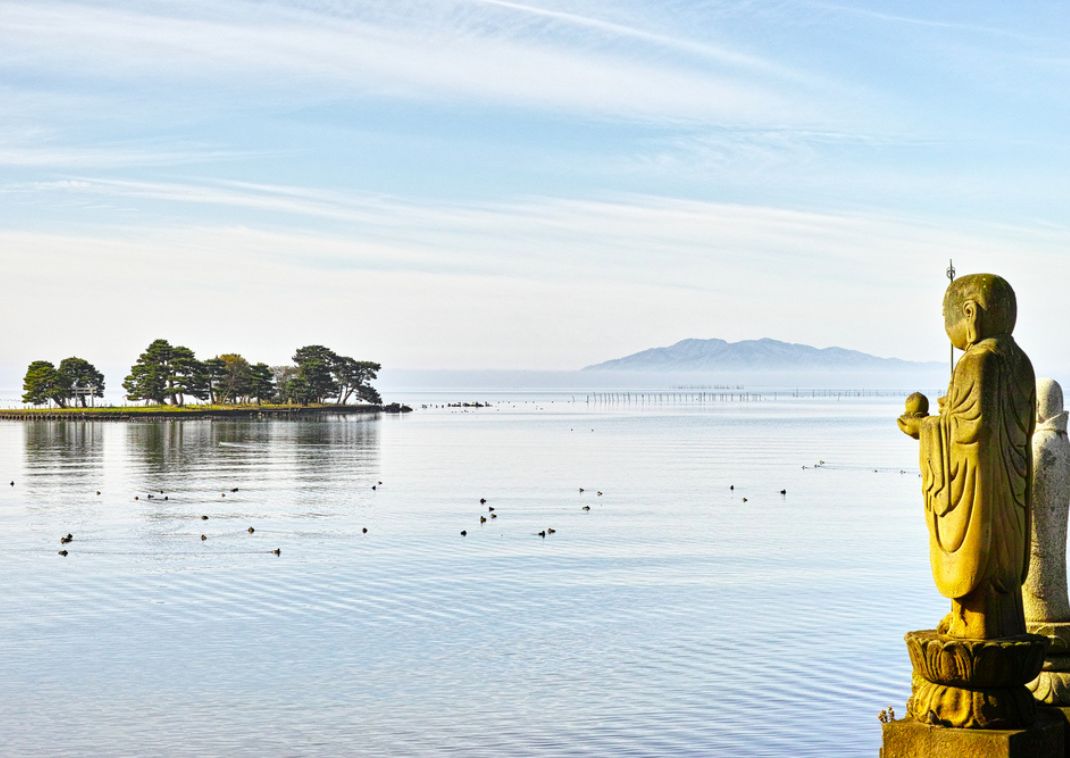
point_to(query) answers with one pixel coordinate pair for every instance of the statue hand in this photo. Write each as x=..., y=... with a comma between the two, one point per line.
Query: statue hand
x=911, y=425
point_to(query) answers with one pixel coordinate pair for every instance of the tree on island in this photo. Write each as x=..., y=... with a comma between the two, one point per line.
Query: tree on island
x=187, y=377
x=236, y=378
x=80, y=379
x=148, y=378
x=171, y=374
x=76, y=378
x=322, y=374
x=283, y=377
x=42, y=384
x=164, y=372
x=314, y=369
x=214, y=373
x=353, y=377
x=261, y=383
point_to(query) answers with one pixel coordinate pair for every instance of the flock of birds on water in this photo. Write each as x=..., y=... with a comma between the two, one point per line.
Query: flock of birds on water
x=69, y=538
x=483, y=519
x=491, y=514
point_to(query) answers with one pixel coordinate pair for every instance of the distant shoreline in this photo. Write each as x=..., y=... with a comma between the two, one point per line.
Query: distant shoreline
x=135, y=412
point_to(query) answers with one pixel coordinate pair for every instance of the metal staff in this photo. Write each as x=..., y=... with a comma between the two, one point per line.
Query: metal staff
x=951, y=278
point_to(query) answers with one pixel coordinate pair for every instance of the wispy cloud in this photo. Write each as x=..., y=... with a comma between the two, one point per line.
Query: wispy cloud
x=722, y=269
x=510, y=166
x=41, y=154
x=402, y=50
x=613, y=236
x=933, y=23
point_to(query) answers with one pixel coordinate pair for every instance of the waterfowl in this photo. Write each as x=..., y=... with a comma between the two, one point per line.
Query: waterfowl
x=464, y=532
x=12, y=483
x=63, y=553
x=222, y=494
x=490, y=509
x=136, y=497
x=380, y=484
x=744, y=500
x=204, y=518
x=235, y=489
x=165, y=497
x=364, y=530
x=586, y=508
x=581, y=489
x=482, y=501
x=98, y=492
x=482, y=519
x=68, y=538
x=204, y=537
x=250, y=530
x=551, y=530
x=494, y=515
x=150, y=496
x=783, y=492
x=732, y=487
x=599, y=493
x=373, y=486
x=542, y=533
x=277, y=551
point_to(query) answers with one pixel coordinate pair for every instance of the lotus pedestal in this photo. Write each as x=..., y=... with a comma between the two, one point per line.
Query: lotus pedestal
x=969, y=698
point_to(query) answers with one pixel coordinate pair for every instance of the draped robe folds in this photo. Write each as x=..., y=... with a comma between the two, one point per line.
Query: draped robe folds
x=976, y=462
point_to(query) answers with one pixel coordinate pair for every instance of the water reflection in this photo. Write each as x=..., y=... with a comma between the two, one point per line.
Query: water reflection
x=63, y=453
x=643, y=626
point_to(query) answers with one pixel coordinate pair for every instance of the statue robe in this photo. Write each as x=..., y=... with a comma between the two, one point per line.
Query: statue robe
x=976, y=462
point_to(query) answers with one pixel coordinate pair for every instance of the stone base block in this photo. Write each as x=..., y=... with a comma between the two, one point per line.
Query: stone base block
x=908, y=738
x=1063, y=715
x=1052, y=685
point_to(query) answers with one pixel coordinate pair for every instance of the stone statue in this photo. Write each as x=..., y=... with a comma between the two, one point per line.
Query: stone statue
x=976, y=464
x=1047, y=608
x=1044, y=592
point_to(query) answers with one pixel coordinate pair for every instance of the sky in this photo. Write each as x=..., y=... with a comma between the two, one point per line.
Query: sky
x=535, y=184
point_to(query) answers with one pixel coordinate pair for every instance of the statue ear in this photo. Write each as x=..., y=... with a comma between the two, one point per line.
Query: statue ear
x=973, y=318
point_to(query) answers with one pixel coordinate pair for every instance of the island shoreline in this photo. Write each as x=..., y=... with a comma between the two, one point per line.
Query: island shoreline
x=156, y=413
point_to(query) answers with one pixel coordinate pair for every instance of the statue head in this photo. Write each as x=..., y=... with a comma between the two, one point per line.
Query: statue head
x=1049, y=399
x=978, y=306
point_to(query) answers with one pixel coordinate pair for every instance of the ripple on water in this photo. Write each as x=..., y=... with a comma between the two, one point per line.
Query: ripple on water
x=671, y=618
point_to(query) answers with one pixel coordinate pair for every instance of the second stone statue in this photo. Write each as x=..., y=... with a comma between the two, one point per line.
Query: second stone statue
x=1044, y=595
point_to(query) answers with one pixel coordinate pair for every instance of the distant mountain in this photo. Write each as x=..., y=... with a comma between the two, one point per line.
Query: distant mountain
x=750, y=355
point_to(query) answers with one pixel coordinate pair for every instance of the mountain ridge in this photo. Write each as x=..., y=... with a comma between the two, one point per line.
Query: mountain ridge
x=763, y=354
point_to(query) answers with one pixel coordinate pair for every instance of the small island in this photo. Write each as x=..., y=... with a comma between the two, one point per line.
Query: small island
x=169, y=381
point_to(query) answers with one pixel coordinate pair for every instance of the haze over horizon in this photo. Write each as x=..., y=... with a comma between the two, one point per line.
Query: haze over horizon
x=496, y=184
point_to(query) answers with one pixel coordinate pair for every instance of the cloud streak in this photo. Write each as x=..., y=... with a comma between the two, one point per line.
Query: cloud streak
x=381, y=52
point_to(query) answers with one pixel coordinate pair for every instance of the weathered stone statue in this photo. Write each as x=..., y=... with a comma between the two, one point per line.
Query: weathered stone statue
x=976, y=464
x=1047, y=608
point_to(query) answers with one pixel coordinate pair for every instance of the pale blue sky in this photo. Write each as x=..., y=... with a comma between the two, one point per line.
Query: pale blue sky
x=543, y=184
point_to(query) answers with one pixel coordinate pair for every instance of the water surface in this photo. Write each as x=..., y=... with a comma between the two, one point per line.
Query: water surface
x=671, y=618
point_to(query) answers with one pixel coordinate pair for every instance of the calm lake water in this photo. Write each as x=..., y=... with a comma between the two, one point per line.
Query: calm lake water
x=671, y=618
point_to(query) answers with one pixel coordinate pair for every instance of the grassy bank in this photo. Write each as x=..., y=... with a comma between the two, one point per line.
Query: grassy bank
x=192, y=411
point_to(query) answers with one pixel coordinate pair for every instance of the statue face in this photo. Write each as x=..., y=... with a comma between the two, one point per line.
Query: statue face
x=960, y=324
x=1049, y=399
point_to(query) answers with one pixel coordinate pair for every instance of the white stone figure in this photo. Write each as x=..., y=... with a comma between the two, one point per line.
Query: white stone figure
x=1044, y=594
x=1047, y=610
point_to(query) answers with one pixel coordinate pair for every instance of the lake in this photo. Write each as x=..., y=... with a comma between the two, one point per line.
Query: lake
x=671, y=618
